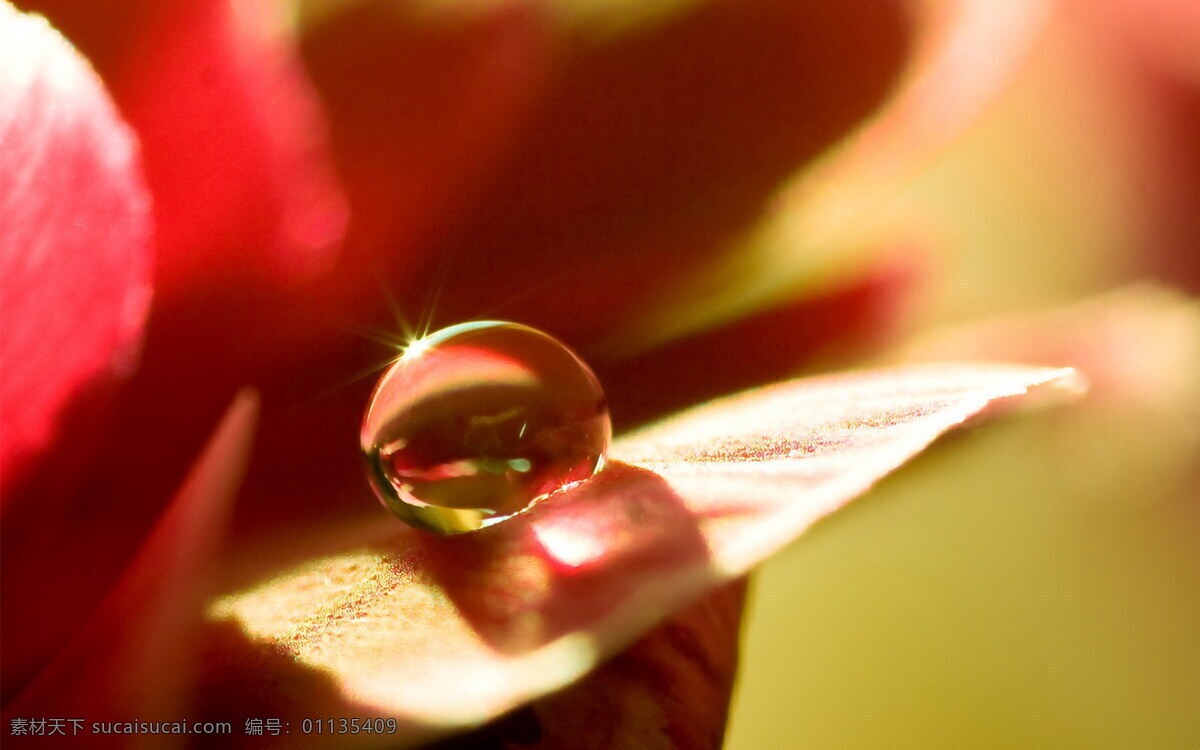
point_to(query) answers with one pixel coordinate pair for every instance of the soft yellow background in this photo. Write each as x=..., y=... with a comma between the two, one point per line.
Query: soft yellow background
x=1034, y=583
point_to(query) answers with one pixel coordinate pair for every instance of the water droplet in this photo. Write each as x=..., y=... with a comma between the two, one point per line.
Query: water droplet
x=477, y=421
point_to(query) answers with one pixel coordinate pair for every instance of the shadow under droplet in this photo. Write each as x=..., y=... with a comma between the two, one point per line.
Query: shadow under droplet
x=565, y=564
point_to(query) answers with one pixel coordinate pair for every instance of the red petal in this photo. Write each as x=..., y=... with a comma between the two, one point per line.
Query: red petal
x=1044, y=571
x=760, y=348
x=75, y=256
x=1138, y=345
x=446, y=632
x=1151, y=74
x=422, y=102
x=135, y=658
x=231, y=137
x=1166, y=30
x=669, y=690
x=246, y=212
x=652, y=150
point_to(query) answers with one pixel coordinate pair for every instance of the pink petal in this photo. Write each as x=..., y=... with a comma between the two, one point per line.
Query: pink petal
x=248, y=219
x=135, y=657
x=447, y=632
x=75, y=258
x=231, y=136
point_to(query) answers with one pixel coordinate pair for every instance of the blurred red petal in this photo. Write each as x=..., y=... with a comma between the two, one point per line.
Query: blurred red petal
x=249, y=220
x=671, y=689
x=1166, y=30
x=231, y=136
x=759, y=348
x=421, y=101
x=75, y=258
x=551, y=173
x=653, y=149
x=135, y=657
x=1151, y=58
x=967, y=53
x=1138, y=345
x=961, y=56
x=441, y=633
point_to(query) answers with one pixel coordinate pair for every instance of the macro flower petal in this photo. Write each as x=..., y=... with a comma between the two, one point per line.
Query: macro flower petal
x=445, y=632
x=598, y=155
x=231, y=138
x=75, y=258
x=1013, y=563
x=136, y=656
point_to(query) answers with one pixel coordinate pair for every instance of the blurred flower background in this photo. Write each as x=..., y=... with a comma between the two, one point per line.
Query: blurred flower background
x=699, y=196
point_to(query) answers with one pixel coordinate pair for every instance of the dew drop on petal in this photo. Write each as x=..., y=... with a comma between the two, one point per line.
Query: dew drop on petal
x=478, y=421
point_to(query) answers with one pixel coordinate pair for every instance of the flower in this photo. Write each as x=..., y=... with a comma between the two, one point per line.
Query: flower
x=584, y=169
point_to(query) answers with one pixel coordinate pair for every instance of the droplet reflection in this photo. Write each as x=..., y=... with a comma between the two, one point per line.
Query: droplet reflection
x=477, y=421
